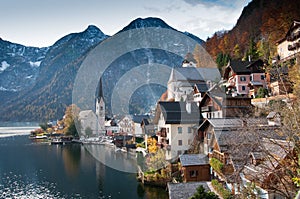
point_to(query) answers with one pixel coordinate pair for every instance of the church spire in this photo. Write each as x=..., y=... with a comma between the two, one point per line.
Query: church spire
x=100, y=90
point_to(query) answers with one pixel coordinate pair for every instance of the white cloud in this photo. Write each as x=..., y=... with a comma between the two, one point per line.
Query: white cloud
x=207, y=17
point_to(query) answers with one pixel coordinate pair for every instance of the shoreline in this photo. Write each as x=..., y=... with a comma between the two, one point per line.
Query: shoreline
x=10, y=131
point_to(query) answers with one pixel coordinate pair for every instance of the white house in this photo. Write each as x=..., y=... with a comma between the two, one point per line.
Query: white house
x=290, y=44
x=126, y=125
x=175, y=122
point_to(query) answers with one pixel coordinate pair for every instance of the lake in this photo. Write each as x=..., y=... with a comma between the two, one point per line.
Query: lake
x=30, y=169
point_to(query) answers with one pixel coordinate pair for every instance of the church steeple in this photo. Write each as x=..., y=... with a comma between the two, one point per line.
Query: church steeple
x=100, y=90
x=100, y=108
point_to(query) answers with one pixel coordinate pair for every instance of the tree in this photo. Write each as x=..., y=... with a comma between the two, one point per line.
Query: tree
x=261, y=92
x=71, y=121
x=237, y=51
x=71, y=129
x=152, y=147
x=202, y=194
x=88, y=131
x=222, y=60
x=252, y=50
x=43, y=126
x=156, y=161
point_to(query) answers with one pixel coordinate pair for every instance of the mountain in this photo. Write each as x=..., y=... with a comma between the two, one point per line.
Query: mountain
x=262, y=23
x=19, y=66
x=50, y=89
x=146, y=23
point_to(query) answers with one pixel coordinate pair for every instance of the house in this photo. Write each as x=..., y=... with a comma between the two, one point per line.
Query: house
x=147, y=127
x=124, y=141
x=195, y=167
x=175, y=123
x=279, y=83
x=111, y=127
x=274, y=119
x=199, y=91
x=244, y=77
x=289, y=46
x=217, y=104
x=88, y=120
x=137, y=120
x=126, y=125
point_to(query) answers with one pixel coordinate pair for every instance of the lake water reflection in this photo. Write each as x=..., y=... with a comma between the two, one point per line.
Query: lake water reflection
x=38, y=170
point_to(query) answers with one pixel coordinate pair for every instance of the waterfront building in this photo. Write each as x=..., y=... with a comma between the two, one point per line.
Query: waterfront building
x=126, y=125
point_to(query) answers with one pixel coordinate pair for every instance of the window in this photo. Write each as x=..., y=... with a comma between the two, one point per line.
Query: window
x=262, y=77
x=178, y=152
x=243, y=88
x=243, y=78
x=193, y=173
x=179, y=129
x=251, y=78
x=208, y=135
x=189, y=129
x=179, y=142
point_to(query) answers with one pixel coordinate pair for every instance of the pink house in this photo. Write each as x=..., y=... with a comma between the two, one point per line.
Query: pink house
x=244, y=77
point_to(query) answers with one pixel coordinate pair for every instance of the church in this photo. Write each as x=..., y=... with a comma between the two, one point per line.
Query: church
x=93, y=123
x=188, y=82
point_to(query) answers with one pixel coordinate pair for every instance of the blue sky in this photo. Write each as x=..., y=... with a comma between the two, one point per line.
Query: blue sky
x=42, y=22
